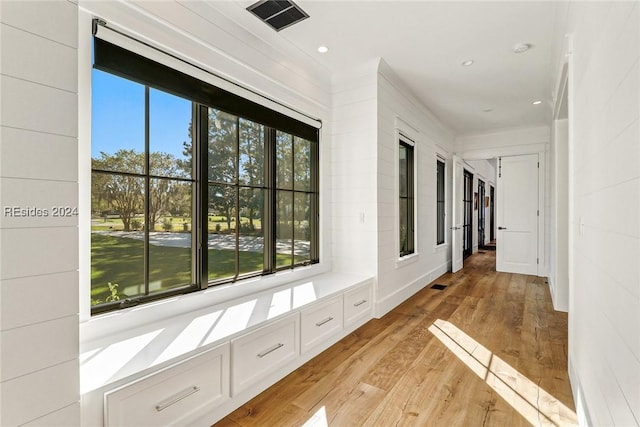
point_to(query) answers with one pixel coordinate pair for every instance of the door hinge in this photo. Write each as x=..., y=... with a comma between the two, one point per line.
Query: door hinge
x=538, y=261
x=538, y=165
x=538, y=212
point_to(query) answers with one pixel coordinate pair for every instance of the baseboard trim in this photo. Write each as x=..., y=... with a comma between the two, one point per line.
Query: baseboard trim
x=393, y=300
x=582, y=410
x=554, y=299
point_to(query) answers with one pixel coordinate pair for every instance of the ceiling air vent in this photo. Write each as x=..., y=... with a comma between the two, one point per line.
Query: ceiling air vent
x=278, y=14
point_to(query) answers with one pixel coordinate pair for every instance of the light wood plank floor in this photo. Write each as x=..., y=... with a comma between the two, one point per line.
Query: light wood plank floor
x=489, y=350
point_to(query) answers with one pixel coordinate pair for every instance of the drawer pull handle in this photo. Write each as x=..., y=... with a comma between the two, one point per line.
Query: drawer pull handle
x=322, y=322
x=359, y=303
x=177, y=398
x=271, y=350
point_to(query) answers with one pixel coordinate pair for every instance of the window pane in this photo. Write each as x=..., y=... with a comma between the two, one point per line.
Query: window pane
x=251, y=242
x=251, y=153
x=222, y=228
x=170, y=234
x=404, y=232
x=284, y=228
x=302, y=233
x=117, y=237
x=284, y=160
x=403, y=171
x=117, y=123
x=223, y=135
x=170, y=139
x=302, y=164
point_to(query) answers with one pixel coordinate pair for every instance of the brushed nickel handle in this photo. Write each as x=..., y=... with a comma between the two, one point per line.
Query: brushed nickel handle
x=502, y=228
x=322, y=322
x=359, y=303
x=177, y=398
x=270, y=350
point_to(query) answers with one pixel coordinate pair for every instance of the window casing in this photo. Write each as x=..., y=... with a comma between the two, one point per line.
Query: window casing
x=192, y=186
x=406, y=199
x=440, y=202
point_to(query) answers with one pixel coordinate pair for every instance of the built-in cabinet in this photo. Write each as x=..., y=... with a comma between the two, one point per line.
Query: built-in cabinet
x=202, y=388
x=171, y=395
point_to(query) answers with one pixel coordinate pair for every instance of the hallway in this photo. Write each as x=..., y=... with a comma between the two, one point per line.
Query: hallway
x=487, y=350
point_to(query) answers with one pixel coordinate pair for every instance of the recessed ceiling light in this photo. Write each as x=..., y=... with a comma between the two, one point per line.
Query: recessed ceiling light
x=537, y=102
x=522, y=47
x=323, y=49
x=467, y=63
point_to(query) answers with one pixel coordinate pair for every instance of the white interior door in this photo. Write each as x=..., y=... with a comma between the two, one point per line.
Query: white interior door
x=517, y=239
x=457, y=217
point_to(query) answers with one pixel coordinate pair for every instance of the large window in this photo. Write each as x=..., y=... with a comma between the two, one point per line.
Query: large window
x=192, y=186
x=440, y=202
x=406, y=199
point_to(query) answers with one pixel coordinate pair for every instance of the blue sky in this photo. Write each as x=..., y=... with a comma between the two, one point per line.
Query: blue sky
x=118, y=117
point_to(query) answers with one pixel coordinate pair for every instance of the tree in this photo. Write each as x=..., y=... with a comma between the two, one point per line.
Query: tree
x=125, y=193
x=222, y=135
x=251, y=167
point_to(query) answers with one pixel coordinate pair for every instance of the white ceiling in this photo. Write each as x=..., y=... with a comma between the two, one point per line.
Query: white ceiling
x=425, y=43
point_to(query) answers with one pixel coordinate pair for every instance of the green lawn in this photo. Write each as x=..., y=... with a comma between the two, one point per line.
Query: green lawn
x=121, y=260
x=177, y=223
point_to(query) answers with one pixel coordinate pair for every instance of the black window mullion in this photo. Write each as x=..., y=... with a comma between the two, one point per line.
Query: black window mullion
x=269, y=217
x=201, y=153
x=293, y=201
x=314, y=250
x=237, y=196
x=147, y=189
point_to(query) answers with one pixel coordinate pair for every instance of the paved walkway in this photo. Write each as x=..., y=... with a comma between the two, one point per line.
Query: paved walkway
x=216, y=241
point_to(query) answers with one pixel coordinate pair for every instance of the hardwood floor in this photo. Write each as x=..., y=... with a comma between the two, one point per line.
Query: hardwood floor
x=489, y=350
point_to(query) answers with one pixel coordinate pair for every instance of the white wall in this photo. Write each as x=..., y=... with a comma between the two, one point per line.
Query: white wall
x=398, y=110
x=354, y=180
x=502, y=142
x=604, y=307
x=559, y=218
x=39, y=254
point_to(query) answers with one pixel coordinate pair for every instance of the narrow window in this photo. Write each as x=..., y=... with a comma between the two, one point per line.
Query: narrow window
x=406, y=199
x=440, y=202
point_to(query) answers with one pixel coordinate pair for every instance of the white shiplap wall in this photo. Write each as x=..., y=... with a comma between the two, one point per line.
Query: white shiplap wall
x=604, y=112
x=39, y=254
x=398, y=110
x=353, y=170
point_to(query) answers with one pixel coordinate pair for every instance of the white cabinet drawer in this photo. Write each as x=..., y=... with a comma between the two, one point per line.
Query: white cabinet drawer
x=357, y=304
x=263, y=351
x=320, y=321
x=172, y=395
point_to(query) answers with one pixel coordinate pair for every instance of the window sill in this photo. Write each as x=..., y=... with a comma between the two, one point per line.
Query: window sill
x=163, y=339
x=408, y=259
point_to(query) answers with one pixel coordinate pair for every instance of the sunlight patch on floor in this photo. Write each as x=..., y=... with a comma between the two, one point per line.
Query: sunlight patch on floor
x=319, y=419
x=531, y=401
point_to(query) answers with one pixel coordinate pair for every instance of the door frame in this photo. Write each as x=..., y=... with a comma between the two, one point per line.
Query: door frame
x=457, y=259
x=536, y=148
x=492, y=220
